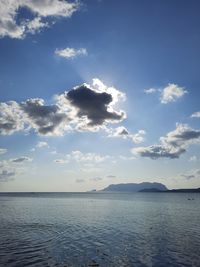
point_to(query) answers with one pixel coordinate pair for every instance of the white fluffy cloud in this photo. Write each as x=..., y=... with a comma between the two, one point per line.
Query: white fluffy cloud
x=36, y=25
x=150, y=91
x=70, y=52
x=10, y=118
x=122, y=132
x=41, y=144
x=9, y=11
x=172, y=145
x=171, y=93
x=196, y=115
x=138, y=137
x=83, y=108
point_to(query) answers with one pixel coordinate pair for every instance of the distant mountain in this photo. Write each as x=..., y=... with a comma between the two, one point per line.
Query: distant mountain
x=135, y=187
x=152, y=190
x=185, y=190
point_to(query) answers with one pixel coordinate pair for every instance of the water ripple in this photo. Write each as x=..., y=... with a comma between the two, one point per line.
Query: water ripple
x=132, y=230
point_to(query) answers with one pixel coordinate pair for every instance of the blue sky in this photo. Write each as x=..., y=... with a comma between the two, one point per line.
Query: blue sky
x=102, y=92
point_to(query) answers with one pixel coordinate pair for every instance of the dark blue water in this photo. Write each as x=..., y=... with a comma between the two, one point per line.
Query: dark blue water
x=91, y=229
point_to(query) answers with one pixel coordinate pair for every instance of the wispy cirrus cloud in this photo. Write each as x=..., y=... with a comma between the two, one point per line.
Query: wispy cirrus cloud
x=172, y=145
x=3, y=151
x=192, y=174
x=111, y=176
x=7, y=175
x=12, y=167
x=79, y=180
x=70, y=52
x=96, y=179
x=40, y=10
x=193, y=158
x=21, y=159
x=81, y=157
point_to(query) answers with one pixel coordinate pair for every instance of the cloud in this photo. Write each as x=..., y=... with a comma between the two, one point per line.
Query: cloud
x=6, y=175
x=172, y=145
x=193, y=174
x=12, y=167
x=44, y=119
x=91, y=107
x=21, y=159
x=196, y=115
x=171, y=93
x=138, y=137
x=183, y=135
x=54, y=152
x=79, y=180
x=71, y=52
x=41, y=10
x=87, y=157
x=80, y=157
x=10, y=118
x=111, y=176
x=41, y=144
x=158, y=151
x=121, y=131
x=150, y=91
x=36, y=25
x=3, y=151
x=121, y=157
x=84, y=108
x=193, y=158
x=61, y=161
x=96, y=179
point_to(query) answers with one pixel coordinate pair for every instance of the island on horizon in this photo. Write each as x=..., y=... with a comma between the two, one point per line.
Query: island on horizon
x=146, y=187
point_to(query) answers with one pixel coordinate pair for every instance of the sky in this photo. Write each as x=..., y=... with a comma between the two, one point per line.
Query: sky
x=94, y=93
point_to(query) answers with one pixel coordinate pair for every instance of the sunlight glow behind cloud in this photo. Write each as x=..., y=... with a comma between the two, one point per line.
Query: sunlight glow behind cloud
x=83, y=108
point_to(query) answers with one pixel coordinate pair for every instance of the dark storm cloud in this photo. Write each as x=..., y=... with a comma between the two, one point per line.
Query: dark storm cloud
x=93, y=105
x=82, y=108
x=45, y=118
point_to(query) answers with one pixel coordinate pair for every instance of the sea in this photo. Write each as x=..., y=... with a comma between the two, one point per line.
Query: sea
x=100, y=229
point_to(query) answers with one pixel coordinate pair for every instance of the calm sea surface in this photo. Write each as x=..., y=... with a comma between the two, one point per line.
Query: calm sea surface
x=100, y=229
